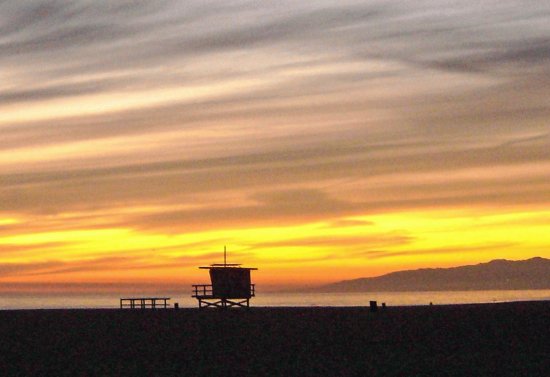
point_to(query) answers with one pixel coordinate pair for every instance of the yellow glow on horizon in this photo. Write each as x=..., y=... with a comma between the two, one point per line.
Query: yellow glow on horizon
x=310, y=253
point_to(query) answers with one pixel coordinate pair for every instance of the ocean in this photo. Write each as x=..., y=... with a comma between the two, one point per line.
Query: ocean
x=272, y=299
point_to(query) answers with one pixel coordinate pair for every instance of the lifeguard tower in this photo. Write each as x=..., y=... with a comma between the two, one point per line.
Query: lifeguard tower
x=230, y=286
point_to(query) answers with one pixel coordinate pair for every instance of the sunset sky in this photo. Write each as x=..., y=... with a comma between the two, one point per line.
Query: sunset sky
x=318, y=140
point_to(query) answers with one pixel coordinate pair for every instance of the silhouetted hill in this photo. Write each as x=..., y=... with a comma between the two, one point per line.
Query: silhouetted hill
x=498, y=274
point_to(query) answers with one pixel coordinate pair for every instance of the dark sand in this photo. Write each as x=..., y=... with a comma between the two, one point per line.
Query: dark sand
x=510, y=339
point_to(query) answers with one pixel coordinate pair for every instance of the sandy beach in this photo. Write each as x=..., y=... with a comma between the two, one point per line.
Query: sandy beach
x=508, y=339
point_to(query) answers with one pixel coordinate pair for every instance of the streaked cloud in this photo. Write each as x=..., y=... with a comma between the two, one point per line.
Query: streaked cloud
x=173, y=117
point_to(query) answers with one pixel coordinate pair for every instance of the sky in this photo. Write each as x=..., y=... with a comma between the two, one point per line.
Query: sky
x=319, y=141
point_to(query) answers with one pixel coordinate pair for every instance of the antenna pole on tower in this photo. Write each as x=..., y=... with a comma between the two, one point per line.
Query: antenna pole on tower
x=224, y=256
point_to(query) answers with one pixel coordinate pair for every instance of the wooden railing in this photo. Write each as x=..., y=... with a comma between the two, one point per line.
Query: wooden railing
x=205, y=290
x=202, y=290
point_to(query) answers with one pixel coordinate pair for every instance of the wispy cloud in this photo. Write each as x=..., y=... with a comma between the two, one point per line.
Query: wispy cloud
x=167, y=115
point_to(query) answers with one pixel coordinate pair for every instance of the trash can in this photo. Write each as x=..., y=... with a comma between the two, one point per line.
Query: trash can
x=373, y=306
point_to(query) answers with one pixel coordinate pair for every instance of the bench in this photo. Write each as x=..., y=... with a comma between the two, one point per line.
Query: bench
x=144, y=302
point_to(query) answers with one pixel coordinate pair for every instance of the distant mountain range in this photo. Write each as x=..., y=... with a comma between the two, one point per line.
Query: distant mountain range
x=498, y=274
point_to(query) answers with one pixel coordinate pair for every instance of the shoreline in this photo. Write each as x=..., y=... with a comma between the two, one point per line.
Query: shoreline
x=8, y=302
x=267, y=307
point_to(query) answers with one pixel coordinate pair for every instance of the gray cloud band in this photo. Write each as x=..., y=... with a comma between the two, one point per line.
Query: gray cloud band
x=498, y=118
